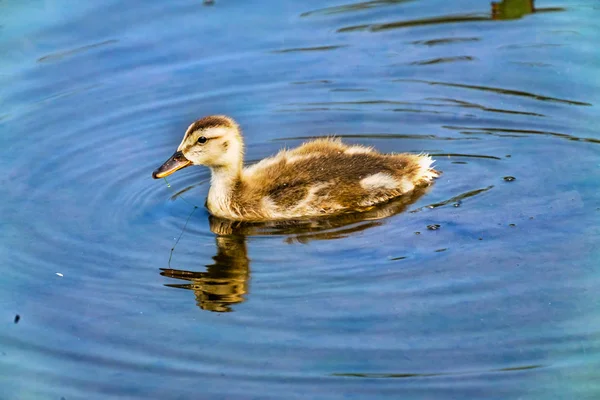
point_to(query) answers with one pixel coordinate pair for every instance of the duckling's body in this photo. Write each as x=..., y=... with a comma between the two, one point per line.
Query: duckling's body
x=321, y=177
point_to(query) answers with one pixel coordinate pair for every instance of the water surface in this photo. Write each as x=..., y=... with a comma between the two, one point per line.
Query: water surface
x=500, y=301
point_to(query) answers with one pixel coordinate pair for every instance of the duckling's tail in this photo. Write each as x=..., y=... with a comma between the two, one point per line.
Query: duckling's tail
x=426, y=173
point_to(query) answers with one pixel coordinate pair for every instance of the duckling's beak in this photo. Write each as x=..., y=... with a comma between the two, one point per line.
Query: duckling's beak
x=176, y=162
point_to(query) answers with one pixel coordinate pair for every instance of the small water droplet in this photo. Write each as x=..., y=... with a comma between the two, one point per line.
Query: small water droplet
x=457, y=204
x=509, y=178
x=512, y=224
x=17, y=318
x=507, y=156
x=417, y=233
x=433, y=227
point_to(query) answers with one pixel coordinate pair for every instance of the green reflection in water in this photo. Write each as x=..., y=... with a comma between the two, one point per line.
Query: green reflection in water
x=512, y=9
x=504, y=10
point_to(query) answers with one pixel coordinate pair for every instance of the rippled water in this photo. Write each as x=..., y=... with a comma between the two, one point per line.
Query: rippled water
x=499, y=302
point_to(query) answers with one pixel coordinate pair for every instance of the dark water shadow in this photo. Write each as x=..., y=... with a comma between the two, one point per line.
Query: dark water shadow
x=442, y=41
x=499, y=91
x=319, y=81
x=433, y=374
x=307, y=49
x=516, y=133
x=467, y=104
x=365, y=5
x=465, y=155
x=67, y=53
x=348, y=90
x=440, y=102
x=447, y=19
x=456, y=201
x=530, y=46
x=442, y=60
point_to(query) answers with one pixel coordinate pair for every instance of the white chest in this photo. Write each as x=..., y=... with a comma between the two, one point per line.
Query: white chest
x=219, y=198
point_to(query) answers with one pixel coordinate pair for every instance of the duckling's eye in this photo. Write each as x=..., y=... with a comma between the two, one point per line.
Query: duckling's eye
x=202, y=140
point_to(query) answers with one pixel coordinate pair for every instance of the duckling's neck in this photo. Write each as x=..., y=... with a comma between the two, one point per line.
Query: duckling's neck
x=223, y=183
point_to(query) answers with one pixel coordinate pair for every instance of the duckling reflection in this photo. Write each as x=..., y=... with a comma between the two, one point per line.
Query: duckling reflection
x=225, y=282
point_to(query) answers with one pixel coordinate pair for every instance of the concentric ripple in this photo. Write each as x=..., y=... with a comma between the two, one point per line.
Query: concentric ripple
x=125, y=287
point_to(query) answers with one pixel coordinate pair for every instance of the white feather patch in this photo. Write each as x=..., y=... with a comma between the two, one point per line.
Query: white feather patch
x=380, y=180
x=294, y=159
x=427, y=173
x=358, y=150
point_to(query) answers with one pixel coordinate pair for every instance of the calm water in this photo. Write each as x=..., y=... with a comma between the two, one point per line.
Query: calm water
x=500, y=302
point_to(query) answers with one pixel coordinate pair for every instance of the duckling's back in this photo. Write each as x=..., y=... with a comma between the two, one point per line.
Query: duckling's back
x=326, y=176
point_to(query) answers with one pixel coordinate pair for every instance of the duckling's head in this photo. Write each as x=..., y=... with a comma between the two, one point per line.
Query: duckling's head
x=213, y=141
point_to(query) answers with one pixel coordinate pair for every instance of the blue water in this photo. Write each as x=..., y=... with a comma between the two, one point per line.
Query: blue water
x=500, y=302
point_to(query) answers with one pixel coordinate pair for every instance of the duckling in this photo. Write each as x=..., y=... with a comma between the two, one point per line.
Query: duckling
x=321, y=177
